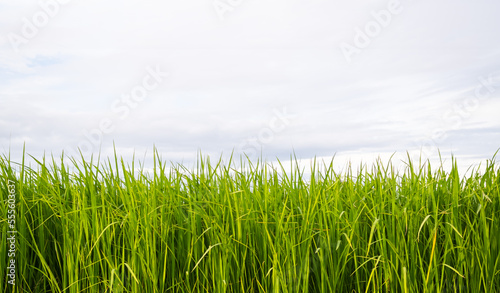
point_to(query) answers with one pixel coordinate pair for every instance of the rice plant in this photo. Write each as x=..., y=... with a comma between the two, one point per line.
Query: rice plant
x=107, y=226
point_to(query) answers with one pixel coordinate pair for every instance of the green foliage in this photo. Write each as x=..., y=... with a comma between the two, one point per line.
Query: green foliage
x=107, y=227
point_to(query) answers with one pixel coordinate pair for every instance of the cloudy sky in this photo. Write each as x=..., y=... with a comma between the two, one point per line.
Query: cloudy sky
x=355, y=79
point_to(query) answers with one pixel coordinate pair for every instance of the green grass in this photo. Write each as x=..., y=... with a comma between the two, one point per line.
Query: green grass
x=88, y=226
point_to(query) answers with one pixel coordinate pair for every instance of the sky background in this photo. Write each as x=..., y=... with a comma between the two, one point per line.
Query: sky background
x=354, y=79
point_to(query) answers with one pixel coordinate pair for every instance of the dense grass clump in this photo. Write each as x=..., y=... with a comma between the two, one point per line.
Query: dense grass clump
x=94, y=227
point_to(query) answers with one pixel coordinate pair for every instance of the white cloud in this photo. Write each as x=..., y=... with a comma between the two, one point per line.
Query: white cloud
x=227, y=76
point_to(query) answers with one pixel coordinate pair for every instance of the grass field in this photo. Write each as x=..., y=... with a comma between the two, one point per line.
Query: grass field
x=106, y=227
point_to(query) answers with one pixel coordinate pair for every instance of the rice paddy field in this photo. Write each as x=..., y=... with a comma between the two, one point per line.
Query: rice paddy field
x=107, y=226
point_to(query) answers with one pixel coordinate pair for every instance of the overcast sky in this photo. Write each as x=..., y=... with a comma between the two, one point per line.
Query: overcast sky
x=357, y=79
